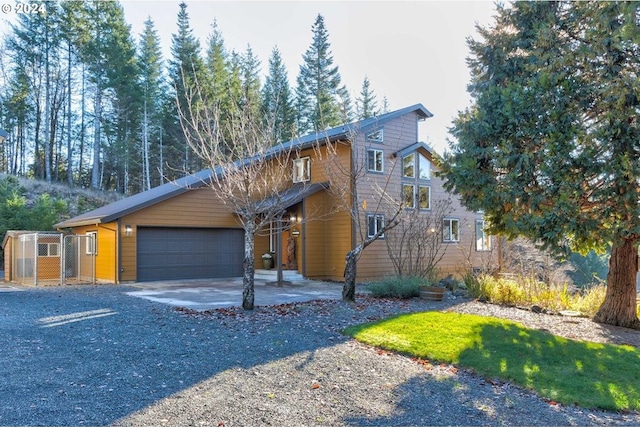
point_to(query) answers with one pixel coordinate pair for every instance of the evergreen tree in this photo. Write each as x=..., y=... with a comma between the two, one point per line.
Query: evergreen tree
x=366, y=103
x=321, y=100
x=217, y=66
x=278, y=112
x=186, y=72
x=251, y=100
x=152, y=85
x=549, y=148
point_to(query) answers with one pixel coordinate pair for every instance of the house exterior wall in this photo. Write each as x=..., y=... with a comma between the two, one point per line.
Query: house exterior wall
x=106, y=253
x=375, y=261
x=8, y=256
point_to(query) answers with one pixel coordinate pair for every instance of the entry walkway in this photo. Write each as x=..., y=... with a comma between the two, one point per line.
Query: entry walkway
x=208, y=294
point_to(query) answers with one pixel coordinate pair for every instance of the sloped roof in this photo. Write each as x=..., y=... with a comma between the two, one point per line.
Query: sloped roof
x=120, y=208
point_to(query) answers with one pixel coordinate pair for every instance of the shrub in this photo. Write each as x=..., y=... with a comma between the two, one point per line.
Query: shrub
x=397, y=287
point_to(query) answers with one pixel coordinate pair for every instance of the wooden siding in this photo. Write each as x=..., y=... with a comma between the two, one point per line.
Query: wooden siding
x=195, y=208
x=8, y=255
x=375, y=261
x=105, y=261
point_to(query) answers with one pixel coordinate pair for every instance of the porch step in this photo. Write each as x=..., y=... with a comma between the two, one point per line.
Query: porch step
x=272, y=274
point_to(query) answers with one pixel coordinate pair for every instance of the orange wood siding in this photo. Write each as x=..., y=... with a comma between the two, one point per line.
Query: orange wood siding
x=105, y=260
x=195, y=208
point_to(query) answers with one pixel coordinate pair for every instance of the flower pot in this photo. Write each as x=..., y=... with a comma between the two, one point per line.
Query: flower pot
x=267, y=263
x=432, y=293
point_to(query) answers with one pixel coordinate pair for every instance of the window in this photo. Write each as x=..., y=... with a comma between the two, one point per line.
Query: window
x=424, y=167
x=483, y=241
x=409, y=196
x=375, y=160
x=408, y=166
x=48, y=249
x=91, y=243
x=375, y=223
x=424, y=197
x=416, y=171
x=450, y=230
x=376, y=136
x=302, y=169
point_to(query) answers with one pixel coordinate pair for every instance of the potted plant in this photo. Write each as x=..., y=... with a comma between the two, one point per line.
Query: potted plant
x=267, y=261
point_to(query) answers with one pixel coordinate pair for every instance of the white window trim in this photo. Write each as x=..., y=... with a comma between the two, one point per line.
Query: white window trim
x=375, y=218
x=483, y=242
x=414, y=166
x=378, y=139
x=375, y=152
x=49, y=253
x=300, y=166
x=419, y=158
x=91, y=243
x=449, y=230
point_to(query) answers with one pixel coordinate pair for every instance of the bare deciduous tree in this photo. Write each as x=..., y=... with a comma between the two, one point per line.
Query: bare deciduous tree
x=344, y=181
x=249, y=175
x=416, y=246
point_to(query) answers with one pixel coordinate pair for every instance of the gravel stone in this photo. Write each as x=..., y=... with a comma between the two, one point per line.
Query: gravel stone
x=96, y=356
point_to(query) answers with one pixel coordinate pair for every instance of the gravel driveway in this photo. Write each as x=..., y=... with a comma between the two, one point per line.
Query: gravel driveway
x=96, y=356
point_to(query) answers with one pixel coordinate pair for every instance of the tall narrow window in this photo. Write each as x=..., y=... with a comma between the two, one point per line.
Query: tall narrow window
x=483, y=241
x=409, y=196
x=375, y=160
x=375, y=223
x=450, y=230
x=409, y=166
x=424, y=167
x=424, y=197
x=302, y=169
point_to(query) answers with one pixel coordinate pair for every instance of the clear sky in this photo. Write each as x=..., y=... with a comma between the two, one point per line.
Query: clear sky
x=412, y=51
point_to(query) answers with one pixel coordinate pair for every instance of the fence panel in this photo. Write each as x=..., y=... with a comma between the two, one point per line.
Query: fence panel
x=79, y=262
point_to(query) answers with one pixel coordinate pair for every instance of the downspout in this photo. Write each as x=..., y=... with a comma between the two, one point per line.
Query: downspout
x=303, y=249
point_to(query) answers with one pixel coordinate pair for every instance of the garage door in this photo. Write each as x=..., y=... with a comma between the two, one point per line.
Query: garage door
x=189, y=253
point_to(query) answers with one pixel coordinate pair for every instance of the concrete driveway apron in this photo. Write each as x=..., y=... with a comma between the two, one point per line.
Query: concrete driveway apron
x=208, y=294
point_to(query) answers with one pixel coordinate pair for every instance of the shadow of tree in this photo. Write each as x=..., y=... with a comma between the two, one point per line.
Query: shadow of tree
x=560, y=369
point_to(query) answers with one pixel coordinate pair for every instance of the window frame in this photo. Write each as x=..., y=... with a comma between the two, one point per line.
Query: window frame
x=419, y=168
x=49, y=253
x=378, y=222
x=448, y=230
x=419, y=199
x=379, y=139
x=91, y=244
x=483, y=243
x=413, y=169
x=405, y=195
x=296, y=176
x=375, y=152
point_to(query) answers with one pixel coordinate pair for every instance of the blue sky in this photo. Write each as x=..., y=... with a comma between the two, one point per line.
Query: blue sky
x=412, y=51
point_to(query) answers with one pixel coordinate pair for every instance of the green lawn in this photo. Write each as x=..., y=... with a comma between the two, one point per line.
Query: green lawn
x=566, y=371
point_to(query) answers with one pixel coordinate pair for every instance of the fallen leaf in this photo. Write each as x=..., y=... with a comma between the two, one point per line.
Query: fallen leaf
x=315, y=386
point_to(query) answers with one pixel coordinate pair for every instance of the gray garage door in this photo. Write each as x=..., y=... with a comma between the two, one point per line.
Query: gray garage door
x=189, y=253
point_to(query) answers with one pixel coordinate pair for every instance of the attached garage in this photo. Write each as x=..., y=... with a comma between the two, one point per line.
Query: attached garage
x=168, y=253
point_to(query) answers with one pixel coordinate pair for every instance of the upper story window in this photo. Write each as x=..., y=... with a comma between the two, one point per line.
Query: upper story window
x=376, y=136
x=302, y=169
x=416, y=162
x=375, y=160
x=416, y=172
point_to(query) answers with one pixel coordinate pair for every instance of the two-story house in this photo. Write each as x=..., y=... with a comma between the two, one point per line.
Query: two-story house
x=180, y=231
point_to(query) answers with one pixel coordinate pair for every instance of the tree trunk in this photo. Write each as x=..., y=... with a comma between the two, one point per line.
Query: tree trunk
x=248, y=276
x=95, y=171
x=619, y=306
x=350, y=270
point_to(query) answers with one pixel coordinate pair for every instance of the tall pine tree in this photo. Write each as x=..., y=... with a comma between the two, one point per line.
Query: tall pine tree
x=278, y=112
x=321, y=100
x=366, y=103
